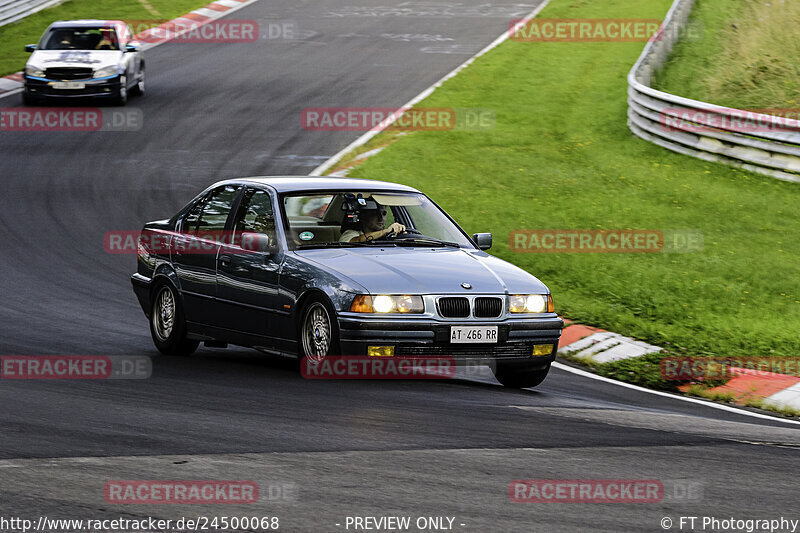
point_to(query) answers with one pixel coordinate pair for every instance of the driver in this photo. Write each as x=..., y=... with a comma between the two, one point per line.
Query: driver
x=67, y=41
x=372, y=220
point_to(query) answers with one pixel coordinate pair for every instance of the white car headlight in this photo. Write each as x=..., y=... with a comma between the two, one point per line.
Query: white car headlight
x=531, y=303
x=34, y=71
x=364, y=303
x=105, y=72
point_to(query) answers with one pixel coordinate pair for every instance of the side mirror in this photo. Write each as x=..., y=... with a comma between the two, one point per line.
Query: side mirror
x=132, y=46
x=258, y=242
x=30, y=48
x=483, y=240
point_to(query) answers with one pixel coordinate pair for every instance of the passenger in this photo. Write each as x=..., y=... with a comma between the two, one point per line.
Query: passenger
x=108, y=40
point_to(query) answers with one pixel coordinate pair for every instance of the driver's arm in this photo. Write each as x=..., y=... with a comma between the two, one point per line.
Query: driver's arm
x=394, y=228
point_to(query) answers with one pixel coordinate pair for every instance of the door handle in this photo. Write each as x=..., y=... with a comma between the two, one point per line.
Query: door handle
x=225, y=260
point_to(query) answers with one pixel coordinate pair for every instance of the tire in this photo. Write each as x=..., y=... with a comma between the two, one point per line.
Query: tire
x=138, y=89
x=167, y=323
x=520, y=377
x=318, y=331
x=122, y=95
x=29, y=100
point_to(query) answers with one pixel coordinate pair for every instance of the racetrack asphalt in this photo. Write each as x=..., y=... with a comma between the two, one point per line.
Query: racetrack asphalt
x=417, y=448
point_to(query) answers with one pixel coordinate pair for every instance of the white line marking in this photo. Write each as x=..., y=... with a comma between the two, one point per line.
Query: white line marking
x=209, y=13
x=705, y=403
x=788, y=397
x=424, y=94
x=11, y=84
x=153, y=11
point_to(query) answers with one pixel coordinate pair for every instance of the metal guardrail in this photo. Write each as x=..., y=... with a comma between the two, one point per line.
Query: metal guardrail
x=753, y=141
x=14, y=10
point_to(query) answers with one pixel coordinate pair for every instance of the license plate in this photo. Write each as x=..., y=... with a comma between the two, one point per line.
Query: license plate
x=473, y=334
x=68, y=85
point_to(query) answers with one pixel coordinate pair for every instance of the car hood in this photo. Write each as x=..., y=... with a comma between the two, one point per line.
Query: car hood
x=95, y=59
x=425, y=271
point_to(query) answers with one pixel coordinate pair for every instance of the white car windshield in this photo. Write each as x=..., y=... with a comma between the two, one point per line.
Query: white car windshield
x=80, y=39
x=362, y=218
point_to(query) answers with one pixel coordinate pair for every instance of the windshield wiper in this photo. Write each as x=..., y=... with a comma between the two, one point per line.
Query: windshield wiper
x=426, y=241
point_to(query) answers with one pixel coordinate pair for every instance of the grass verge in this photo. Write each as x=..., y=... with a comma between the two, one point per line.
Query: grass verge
x=746, y=56
x=14, y=37
x=561, y=156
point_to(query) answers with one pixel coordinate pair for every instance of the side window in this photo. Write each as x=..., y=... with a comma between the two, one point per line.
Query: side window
x=316, y=206
x=216, y=208
x=308, y=206
x=255, y=215
x=189, y=224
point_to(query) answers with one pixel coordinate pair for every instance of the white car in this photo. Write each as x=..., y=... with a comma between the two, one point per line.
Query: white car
x=84, y=59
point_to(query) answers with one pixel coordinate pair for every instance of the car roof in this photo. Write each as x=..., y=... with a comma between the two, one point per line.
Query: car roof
x=86, y=23
x=284, y=184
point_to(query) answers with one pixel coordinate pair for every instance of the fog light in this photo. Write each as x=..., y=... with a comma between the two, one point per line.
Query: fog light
x=542, y=349
x=380, y=351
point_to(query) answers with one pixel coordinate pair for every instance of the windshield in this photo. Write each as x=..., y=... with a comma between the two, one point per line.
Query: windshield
x=80, y=39
x=364, y=218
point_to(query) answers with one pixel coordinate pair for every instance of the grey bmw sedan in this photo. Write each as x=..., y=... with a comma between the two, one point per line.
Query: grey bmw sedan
x=315, y=267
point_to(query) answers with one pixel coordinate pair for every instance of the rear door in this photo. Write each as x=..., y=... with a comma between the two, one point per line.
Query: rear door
x=194, y=252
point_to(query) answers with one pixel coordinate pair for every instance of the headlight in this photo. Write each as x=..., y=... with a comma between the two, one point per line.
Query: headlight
x=383, y=303
x=531, y=303
x=105, y=72
x=36, y=72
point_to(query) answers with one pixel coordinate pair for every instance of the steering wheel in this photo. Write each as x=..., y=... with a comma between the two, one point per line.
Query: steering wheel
x=407, y=233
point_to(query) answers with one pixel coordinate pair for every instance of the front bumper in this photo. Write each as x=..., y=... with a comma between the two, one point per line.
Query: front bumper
x=93, y=88
x=426, y=337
